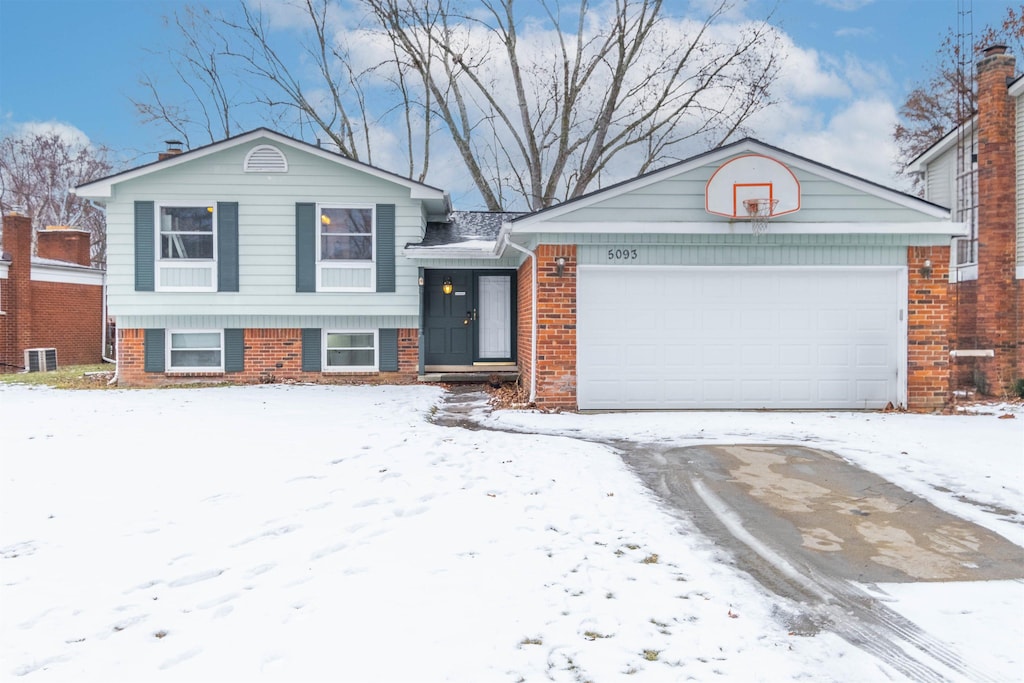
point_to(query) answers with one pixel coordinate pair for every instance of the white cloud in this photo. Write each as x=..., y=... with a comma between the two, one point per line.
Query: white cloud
x=66, y=131
x=845, y=5
x=857, y=139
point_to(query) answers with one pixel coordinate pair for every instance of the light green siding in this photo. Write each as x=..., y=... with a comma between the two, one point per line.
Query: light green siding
x=681, y=199
x=266, y=237
x=764, y=254
x=193, y=320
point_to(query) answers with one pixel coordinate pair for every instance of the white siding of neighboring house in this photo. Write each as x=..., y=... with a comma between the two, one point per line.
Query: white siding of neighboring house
x=266, y=238
x=1019, y=143
x=940, y=180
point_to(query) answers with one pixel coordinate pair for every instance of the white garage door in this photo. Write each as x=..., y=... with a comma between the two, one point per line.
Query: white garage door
x=707, y=338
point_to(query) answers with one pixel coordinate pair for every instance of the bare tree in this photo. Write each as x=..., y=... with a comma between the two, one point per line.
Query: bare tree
x=38, y=172
x=948, y=98
x=539, y=109
x=622, y=81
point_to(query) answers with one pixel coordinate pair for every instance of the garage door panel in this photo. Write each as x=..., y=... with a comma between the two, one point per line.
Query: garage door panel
x=737, y=338
x=761, y=390
x=836, y=391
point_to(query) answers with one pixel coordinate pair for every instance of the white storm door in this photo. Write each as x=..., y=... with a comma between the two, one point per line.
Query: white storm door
x=494, y=319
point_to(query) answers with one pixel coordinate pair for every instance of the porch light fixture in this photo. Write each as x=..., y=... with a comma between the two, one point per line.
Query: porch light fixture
x=447, y=287
x=560, y=265
x=926, y=269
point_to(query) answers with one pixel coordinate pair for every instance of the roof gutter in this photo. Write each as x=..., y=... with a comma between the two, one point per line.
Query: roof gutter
x=533, y=309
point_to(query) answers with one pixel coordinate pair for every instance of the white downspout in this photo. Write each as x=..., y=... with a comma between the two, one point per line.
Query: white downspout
x=533, y=325
x=103, y=335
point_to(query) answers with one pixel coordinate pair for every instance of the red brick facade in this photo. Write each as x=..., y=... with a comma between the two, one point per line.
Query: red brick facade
x=271, y=355
x=928, y=324
x=988, y=310
x=556, y=326
x=41, y=314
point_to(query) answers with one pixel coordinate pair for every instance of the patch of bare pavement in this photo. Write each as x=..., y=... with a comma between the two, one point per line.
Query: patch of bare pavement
x=812, y=529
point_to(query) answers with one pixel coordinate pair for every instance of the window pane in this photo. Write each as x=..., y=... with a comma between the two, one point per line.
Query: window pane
x=195, y=340
x=186, y=219
x=175, y=245
x=348, y=340
x=346, y=221
x=346, y=234
x=195, y=359
x=186, y=232
x=346, y=247
x=342, y=357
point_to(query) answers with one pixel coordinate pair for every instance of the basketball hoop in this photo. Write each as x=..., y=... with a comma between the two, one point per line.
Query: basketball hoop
x=760, y=210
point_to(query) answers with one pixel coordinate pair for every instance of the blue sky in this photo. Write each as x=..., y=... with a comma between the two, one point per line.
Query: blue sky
x=77, y=62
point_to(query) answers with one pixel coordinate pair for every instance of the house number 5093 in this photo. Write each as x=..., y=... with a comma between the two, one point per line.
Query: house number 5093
x=622, y=254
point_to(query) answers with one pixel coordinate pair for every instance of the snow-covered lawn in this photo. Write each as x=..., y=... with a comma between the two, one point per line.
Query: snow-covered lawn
x=300, y=533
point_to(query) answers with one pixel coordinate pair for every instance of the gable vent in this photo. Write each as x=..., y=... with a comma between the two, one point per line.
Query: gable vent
x=265, y=159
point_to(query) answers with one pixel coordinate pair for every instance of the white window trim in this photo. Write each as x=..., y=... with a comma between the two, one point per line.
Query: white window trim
x=163, y=264
x=170, y=369
x=350, y=368
x=333, y=264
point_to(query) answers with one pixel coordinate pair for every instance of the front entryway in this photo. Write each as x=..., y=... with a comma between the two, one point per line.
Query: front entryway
x=468, y=319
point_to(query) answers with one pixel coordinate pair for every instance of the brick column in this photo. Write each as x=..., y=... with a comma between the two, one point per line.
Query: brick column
x=998, y=326
x=556, y=327
x=17, y=301
x=928, y=320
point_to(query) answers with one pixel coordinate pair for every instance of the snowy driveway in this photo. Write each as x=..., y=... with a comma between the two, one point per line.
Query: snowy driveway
x=295, y=533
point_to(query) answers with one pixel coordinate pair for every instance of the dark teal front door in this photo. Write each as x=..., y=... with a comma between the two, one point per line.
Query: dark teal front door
x=449, y=319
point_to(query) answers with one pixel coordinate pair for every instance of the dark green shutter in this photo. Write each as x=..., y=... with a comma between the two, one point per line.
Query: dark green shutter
x=227, y=246
x=388, y=341
x=305, y=248
x=385, y=247
x=153, y=351
x=311, y=350
x=144, y=254
x=234, y=350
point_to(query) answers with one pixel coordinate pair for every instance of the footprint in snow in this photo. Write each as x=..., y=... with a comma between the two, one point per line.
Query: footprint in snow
x=196, y=578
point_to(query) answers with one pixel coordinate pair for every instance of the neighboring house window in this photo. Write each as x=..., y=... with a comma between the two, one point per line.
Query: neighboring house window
x=195, y=351
x=350, y=351
x=187, y=246
x=345, y=248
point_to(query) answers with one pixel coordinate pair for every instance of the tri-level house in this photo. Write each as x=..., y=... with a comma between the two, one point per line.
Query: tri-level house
x=745, y=277
x=978, y=170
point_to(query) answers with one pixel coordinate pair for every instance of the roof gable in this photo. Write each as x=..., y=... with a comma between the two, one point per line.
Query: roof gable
x=674, y=197
x=103, y=188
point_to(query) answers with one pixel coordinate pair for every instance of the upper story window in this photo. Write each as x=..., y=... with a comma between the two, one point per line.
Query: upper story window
x=186, y=246
x=186, y=232
x=345, y=248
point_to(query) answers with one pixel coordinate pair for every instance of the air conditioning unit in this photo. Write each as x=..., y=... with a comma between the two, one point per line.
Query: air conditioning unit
x=40, y=360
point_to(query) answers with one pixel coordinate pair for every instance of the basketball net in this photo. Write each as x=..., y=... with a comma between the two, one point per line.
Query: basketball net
x=760, y=210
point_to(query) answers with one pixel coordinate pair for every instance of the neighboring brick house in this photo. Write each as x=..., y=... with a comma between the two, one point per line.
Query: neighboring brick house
x=262, y=258
x=978, y=170
x=53, y=300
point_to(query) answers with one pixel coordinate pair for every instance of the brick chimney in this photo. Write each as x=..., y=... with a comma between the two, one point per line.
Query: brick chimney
x=17, y=294
x=998, y=324
x=64, y=244
x=173, y=150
